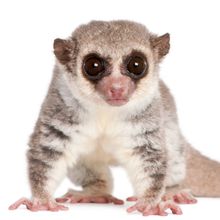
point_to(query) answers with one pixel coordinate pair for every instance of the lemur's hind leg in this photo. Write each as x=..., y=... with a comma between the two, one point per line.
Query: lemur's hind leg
x=96, y=182
x=73, y=196
x=178, y=195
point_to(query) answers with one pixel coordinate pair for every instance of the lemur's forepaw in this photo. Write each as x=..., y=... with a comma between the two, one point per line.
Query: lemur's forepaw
x=159, y=209
x=82, y=197
x=36, y=205
x=181, y=197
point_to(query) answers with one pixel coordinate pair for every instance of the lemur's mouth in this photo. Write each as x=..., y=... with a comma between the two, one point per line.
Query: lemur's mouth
x=117, y=102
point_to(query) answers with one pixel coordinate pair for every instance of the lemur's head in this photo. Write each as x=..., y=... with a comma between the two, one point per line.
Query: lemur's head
x=112, y=63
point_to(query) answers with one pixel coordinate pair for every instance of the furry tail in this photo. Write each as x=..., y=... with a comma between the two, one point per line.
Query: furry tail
x=202, y=174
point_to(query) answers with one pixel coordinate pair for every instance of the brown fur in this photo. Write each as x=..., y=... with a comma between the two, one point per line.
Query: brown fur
x=202, y=174
x=161, y=44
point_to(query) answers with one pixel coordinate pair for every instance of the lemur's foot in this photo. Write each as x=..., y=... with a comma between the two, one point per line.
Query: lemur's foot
x=159, y=209
x=181, y=197
x=37, y=205
x=73, y=196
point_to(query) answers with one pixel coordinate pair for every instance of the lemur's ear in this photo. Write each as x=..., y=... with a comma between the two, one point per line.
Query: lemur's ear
x=161, y=44
x=62, y=50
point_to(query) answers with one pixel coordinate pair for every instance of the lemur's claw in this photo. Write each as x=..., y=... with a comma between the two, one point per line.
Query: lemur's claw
x=159, y=209
x=36, y=205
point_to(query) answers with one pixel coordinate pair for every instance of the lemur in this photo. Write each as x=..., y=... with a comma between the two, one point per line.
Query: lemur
x=106, y=105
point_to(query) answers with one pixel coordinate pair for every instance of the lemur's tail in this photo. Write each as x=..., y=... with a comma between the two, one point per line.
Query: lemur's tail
x=202, y=174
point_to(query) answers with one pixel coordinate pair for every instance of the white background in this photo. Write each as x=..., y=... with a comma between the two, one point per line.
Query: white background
x=192, y=71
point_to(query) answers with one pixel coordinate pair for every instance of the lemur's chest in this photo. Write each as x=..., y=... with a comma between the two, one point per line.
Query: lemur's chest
x=103, y=136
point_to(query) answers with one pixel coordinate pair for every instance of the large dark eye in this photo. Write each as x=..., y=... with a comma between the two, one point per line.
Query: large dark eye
x=136, y=66
x=93, y=66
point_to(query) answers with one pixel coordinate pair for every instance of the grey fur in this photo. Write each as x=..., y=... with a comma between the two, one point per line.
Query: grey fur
x=143, y=136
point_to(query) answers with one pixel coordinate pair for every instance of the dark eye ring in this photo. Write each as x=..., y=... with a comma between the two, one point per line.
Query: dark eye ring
x=136, y=65
x=94, y=66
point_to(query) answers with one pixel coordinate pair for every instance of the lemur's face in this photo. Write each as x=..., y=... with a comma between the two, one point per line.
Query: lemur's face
x=114, y=74
x=112, y=63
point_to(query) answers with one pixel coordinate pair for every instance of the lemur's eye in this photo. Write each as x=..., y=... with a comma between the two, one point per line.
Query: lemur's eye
x=136, y=65
x=93, y=66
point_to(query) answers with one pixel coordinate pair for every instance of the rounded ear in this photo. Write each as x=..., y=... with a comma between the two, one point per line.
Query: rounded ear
x=62, y=50
x=161, y=44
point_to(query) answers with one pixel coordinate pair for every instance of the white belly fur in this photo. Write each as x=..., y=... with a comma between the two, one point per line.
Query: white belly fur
x=102, y=138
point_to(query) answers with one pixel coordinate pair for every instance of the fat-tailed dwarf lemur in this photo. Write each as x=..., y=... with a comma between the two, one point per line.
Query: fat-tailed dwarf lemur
x=106, y=105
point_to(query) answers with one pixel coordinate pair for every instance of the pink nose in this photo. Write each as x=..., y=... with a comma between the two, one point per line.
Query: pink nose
x=116, y=93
